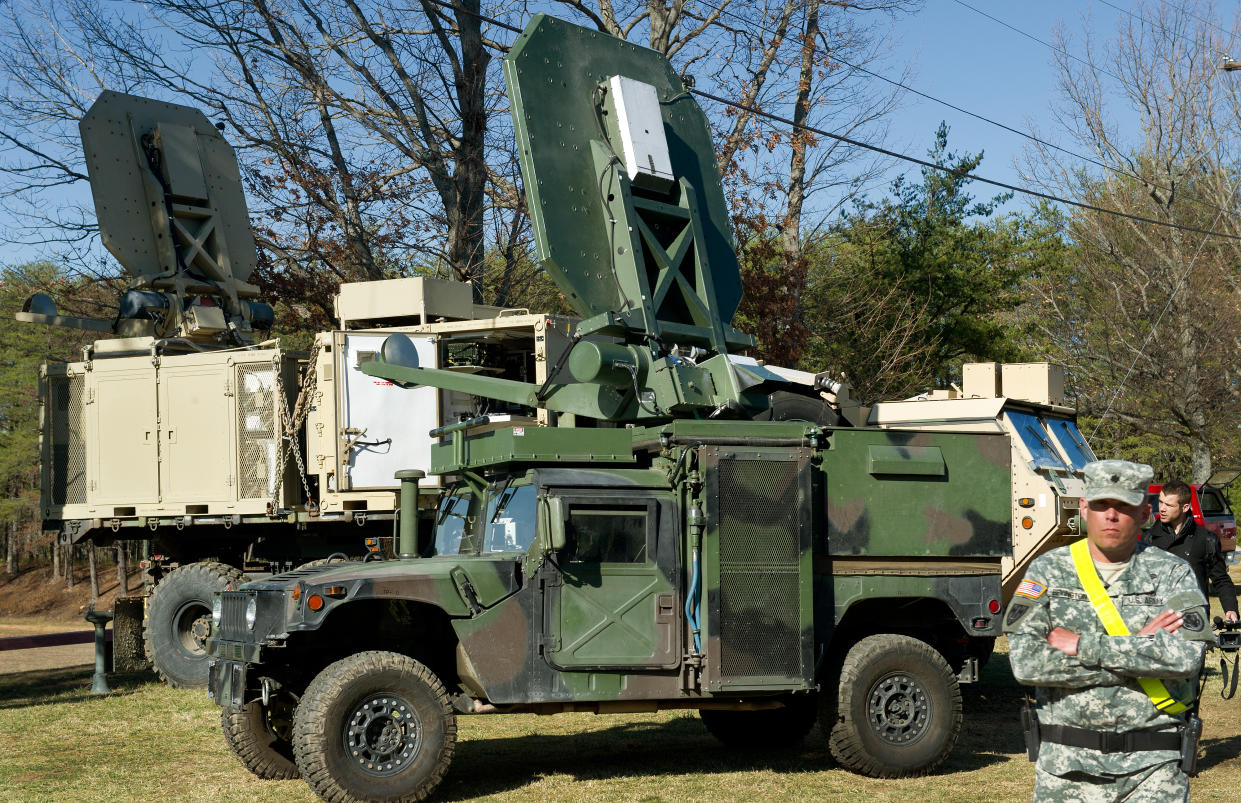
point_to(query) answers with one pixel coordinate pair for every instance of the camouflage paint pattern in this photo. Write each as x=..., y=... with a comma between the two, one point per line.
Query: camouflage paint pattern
x=1097, y=689
x=538, y=628
x=1164, y=783
x=928, y=494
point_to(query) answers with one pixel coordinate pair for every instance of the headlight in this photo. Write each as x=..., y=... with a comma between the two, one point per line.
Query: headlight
x=252, y=612
x=217, y=610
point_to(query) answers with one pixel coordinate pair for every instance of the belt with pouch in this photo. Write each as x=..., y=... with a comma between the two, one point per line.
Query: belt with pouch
x=1109, y=741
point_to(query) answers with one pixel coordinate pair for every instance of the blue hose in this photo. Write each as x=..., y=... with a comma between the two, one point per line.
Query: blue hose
x=691, y=602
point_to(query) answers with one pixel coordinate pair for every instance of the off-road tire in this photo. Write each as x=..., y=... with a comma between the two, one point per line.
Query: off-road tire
x=765, y=729
x=783, y=405
x=261, y=738
x=351, y=698
x=897, y=710
x=178, y=613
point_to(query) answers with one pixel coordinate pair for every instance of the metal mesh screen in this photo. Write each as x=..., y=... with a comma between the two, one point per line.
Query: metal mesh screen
x=66, y=444
x=760, y=621
x=258, y=434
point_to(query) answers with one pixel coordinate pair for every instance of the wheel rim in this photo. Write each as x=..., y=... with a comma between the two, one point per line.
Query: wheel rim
x=278, y=718
x=383, y=734
x=191, y=626
x=898, y=709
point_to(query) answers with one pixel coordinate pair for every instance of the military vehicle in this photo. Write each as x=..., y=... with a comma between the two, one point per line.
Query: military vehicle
x=691, y=529
x=1026, y=401
x=189, y=430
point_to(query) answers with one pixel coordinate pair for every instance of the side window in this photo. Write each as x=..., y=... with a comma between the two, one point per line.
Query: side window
x=1071, y=442
x=1030, y=429
x=1211, y=502
x=608, y=533
x=451, y=523
x=510, y=523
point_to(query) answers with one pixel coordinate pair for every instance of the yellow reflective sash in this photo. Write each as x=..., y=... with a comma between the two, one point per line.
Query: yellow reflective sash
x=1114, y=625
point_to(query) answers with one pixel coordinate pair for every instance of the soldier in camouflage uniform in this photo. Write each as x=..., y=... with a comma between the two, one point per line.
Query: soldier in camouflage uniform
x=1102, y=736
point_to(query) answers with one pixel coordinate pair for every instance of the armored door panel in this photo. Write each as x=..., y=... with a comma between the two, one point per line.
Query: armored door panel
x=757, y=557
x=123, y=417
x=196, y=433
x=64, y=456
x=382, y=429
x=611, y=602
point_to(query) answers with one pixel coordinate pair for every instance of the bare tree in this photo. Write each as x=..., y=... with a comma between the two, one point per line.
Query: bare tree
x=10, y=548
x=122, y=568
x=94, y=572
x=361, y=127
x=1147, y=316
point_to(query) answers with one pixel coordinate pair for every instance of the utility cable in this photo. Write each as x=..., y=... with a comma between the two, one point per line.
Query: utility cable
x=1090, y=160
x=905, y=157
x=1150, y=335
x=963, y=173
x=1232, y=37
x=1032, y=37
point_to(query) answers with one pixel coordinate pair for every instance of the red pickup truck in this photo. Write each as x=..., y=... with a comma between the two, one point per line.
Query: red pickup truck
x=1210, y=508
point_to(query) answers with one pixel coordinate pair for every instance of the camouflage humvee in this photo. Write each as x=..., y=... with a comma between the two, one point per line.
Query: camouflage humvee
x=691, y=529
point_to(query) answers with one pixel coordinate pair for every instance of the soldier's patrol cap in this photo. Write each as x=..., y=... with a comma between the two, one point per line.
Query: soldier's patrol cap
x=1117, y=479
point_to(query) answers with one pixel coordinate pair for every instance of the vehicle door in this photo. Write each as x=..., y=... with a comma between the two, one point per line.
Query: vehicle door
x=609, y=594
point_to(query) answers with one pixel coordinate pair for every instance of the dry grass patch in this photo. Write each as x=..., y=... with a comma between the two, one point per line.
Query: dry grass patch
x=146, y=741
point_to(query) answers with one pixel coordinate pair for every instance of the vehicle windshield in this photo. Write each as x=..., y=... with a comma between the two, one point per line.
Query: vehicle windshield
x=1042, y=451
x=510, y=519
x=1071, y=442
x=453, y=521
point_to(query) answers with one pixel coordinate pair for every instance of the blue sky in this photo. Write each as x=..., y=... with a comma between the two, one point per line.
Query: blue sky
x=978, y=64
x=960, y=56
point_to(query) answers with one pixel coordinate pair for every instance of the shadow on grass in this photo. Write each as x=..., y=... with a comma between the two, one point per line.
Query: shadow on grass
x=681, y=747
x=1217, y=751
x=990, y=735
x=41, y=686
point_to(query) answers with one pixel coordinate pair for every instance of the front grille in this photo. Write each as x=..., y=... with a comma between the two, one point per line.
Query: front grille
x=233, y=616
x=760, y=551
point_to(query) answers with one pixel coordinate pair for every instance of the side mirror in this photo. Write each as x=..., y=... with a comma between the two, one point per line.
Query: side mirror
x=553, y=510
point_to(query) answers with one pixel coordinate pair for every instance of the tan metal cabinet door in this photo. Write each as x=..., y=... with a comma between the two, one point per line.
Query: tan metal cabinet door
x=125, y=467
x=196, y=434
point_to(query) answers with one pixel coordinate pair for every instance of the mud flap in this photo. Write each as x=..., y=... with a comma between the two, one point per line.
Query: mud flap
x=128, y=649
x=226, y=683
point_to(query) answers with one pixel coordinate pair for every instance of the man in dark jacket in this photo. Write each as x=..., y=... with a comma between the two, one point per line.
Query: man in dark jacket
x=1177, y=532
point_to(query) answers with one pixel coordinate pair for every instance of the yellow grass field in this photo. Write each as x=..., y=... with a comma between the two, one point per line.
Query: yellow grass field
x=147, y=742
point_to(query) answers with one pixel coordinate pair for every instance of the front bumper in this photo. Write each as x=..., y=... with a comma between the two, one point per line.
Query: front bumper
x=226, y=683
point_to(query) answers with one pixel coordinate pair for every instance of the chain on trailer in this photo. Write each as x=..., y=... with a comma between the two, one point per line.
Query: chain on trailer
x=290, y=423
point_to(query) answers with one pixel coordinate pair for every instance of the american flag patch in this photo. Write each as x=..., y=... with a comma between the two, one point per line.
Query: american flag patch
x=1031, y=589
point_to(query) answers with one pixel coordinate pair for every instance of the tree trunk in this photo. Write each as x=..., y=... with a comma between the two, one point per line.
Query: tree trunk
x=1201, y=456
x=122, y=568
x=94, y=573
x=10, y=559
x=55, y=559
x=466, y=240
x=69, y=566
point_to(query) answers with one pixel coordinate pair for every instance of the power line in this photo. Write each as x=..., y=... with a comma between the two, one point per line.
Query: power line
x=901, y=156
x=1118, y=171
x=1155, y=326
x=1031, y=36
x=962, y=173
x=1232, y=37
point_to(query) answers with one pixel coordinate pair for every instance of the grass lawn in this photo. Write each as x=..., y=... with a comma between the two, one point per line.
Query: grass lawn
x=148, y=742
